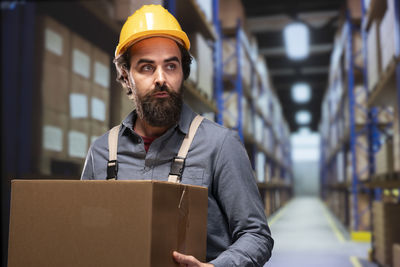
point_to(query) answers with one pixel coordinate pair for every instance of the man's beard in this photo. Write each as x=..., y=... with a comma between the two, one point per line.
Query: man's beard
x=160, y=112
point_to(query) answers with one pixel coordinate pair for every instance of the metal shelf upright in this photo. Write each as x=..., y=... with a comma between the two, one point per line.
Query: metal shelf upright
x=355, y=146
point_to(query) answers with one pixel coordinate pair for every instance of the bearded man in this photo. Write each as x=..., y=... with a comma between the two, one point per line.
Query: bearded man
x=152, y=61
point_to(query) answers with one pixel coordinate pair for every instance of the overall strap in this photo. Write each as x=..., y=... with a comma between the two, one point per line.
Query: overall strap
x=112, y=165
x=178, y=163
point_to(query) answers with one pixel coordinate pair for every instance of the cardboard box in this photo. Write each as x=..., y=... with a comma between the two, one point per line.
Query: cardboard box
x=354, y=6
x=229, y=16
x=374, y=55
x=384, y=157
x=396, y=255
x=105, y=223
x=386, y=232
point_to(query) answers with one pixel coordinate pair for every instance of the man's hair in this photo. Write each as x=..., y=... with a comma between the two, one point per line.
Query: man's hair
x=122, y=64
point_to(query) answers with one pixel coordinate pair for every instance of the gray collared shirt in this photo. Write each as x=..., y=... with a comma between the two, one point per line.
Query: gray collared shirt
x=237, y=230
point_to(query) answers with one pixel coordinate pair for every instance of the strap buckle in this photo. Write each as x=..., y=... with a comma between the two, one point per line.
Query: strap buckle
x=112, y=169
x=177, y=165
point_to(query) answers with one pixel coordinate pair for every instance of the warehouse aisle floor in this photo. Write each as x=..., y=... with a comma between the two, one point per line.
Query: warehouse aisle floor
x=307, y=235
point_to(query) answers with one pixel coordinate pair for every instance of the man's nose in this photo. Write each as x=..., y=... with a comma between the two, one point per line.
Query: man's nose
x=160, y=77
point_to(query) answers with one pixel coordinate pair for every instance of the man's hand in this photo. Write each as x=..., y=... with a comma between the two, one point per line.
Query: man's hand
x=189, y=261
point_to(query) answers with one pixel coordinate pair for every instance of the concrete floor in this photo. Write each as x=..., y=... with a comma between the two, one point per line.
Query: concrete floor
x=306, y=234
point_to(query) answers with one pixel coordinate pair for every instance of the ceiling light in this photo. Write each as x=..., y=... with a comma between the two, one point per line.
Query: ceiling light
x=303, y=117
x=301, y=92
x=297, y=40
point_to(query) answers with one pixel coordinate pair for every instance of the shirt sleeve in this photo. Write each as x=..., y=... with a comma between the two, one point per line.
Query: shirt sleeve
x=235, y=188
x=87, y=173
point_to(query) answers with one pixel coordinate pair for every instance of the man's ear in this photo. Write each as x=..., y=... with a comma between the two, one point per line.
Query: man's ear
x=126, y=79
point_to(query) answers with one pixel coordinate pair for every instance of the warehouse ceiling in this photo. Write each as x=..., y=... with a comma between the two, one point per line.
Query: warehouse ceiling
x=266, y=20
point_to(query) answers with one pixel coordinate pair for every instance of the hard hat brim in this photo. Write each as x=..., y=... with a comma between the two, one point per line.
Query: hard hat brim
x=122, y=47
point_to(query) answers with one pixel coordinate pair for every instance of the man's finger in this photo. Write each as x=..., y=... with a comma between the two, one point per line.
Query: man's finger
x=185, y=259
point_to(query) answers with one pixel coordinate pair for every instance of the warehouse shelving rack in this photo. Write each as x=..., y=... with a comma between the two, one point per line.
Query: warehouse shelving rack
x=268, y=189
x=343, y=192
x=355, y=132
x=388, y=181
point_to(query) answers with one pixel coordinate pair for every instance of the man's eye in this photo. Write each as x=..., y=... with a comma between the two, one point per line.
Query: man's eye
x=147, y=68
x=171, y=66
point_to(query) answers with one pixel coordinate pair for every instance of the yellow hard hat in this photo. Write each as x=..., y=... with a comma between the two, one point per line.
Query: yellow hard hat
x=148, y=21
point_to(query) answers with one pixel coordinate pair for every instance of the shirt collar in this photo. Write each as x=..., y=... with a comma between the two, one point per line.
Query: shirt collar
x=187, y=115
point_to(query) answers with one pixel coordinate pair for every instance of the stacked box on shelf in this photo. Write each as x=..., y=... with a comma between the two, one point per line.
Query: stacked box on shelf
x=360, y=108
x=277, y=116
x=340, y=159
x=259, y=128
x=279, y=152
x=387, y=35
x=396, y=255
x=229, y=16
x=100, y=94
x=268, y=139
x=386, y=231
x=247, y=117
x=354, y=7
x=385, y=114
x=349, y=167
x=204, y=58
x=54, y=92
x=374, y=55
x=358, y=59
x=230, y=114
x=362, y=157
x=206, y=6
x=384, y=157
x=260, y=167
x=262, y=70
x=229, y=49
x=396, y=142
x=80, y=90
x=363, y=212
x=262, y=104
